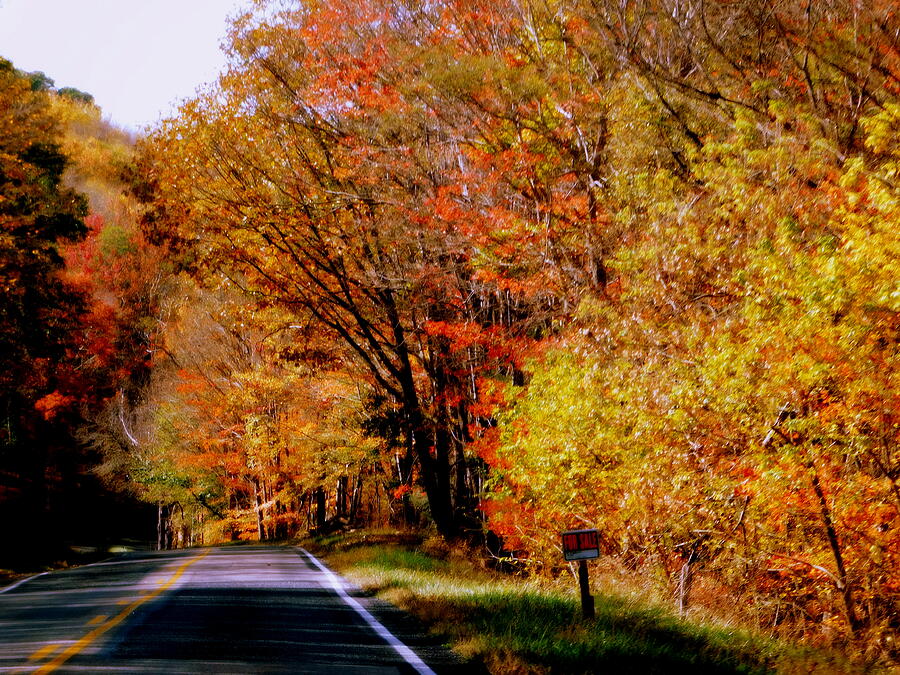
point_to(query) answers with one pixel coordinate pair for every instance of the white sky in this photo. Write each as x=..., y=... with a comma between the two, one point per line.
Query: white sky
x=136, y=57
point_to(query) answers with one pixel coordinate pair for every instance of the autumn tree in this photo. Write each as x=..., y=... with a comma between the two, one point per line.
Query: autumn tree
x=321, y=213
x=69, y=337
x=708, y=387
x=39, y=312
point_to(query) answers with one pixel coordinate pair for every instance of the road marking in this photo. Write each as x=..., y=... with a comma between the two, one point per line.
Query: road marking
x=405, y=652
x=100, y=618
x=44, y=652
x=96, y=564
x=20, y=582
x=88, y=639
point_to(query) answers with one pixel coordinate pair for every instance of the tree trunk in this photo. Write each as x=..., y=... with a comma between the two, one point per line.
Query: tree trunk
x=320, y=509
x=465, y=505
x=843, y=584
x=159, y=527
x=685, y=582
x=378, y=498
x=342, y=485
x=435, y=471
x=260, y=525
x=164, y=527
x=436, y=481
x=356, y=499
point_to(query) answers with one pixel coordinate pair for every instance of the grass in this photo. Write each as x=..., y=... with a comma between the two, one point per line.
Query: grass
x=512, y=625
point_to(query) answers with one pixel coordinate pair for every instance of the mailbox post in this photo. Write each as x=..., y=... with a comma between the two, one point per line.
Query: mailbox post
x=582, y=545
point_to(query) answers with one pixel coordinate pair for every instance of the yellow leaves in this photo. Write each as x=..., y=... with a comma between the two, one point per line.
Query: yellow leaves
x=882, y=129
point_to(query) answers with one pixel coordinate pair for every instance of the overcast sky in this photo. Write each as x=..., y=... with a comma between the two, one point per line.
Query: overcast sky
x=136, y=57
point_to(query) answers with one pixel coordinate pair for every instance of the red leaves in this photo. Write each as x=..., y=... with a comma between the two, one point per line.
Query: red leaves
x=402, y=490
x=462, y=335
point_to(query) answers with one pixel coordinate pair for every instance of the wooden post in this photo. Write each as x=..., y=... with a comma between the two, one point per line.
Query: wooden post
x=587, y=600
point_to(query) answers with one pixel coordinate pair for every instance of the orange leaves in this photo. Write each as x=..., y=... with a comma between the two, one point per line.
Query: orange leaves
x=446, y=207
x=510, y=519
x=444, y=190
x=491, y=399
x=486, y=446
x=190, y=382
x=53, y=404
x=402, y=490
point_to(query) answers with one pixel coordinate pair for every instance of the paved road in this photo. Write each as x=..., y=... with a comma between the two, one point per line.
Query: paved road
x=218, y=610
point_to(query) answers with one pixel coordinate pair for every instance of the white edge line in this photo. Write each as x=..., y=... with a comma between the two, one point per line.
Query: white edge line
x=105, y=561
x=20, y=582
x=101, y=563
x=408, y=654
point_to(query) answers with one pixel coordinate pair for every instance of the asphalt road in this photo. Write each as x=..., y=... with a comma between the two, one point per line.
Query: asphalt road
x=217, y=610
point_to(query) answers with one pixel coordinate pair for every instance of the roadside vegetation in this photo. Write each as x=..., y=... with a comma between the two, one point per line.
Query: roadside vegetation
x=514, y=623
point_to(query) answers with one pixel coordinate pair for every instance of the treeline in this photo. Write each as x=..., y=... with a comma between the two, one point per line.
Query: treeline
x=69, y=335
x=513, y=267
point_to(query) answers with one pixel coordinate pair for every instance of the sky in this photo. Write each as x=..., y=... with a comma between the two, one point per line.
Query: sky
x=138, y=58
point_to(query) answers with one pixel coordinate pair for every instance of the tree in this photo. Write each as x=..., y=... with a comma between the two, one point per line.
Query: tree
x=728, y=407
x=298, y=215
x=39, y=311
x=68, y=335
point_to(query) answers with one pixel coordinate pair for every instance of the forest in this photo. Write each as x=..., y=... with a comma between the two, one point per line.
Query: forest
x=490, y=270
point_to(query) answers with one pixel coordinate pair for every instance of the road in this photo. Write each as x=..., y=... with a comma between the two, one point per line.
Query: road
x=215, y=610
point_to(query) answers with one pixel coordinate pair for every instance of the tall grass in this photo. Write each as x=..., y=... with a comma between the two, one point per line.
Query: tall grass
x=514, y=625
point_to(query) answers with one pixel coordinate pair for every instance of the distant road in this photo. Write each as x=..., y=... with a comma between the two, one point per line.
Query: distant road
x=218, y=610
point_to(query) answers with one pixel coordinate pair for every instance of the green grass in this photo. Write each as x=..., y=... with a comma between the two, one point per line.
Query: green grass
x=514, y=625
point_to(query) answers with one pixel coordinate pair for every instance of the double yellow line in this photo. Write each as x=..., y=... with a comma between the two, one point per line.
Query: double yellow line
x=107, y=624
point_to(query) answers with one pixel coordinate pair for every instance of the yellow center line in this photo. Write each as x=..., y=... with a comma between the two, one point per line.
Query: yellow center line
x=44, y=652
x=100, y=618
x=84, y=642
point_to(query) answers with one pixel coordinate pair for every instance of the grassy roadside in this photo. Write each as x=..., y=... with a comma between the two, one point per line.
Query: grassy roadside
x=516, y=626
